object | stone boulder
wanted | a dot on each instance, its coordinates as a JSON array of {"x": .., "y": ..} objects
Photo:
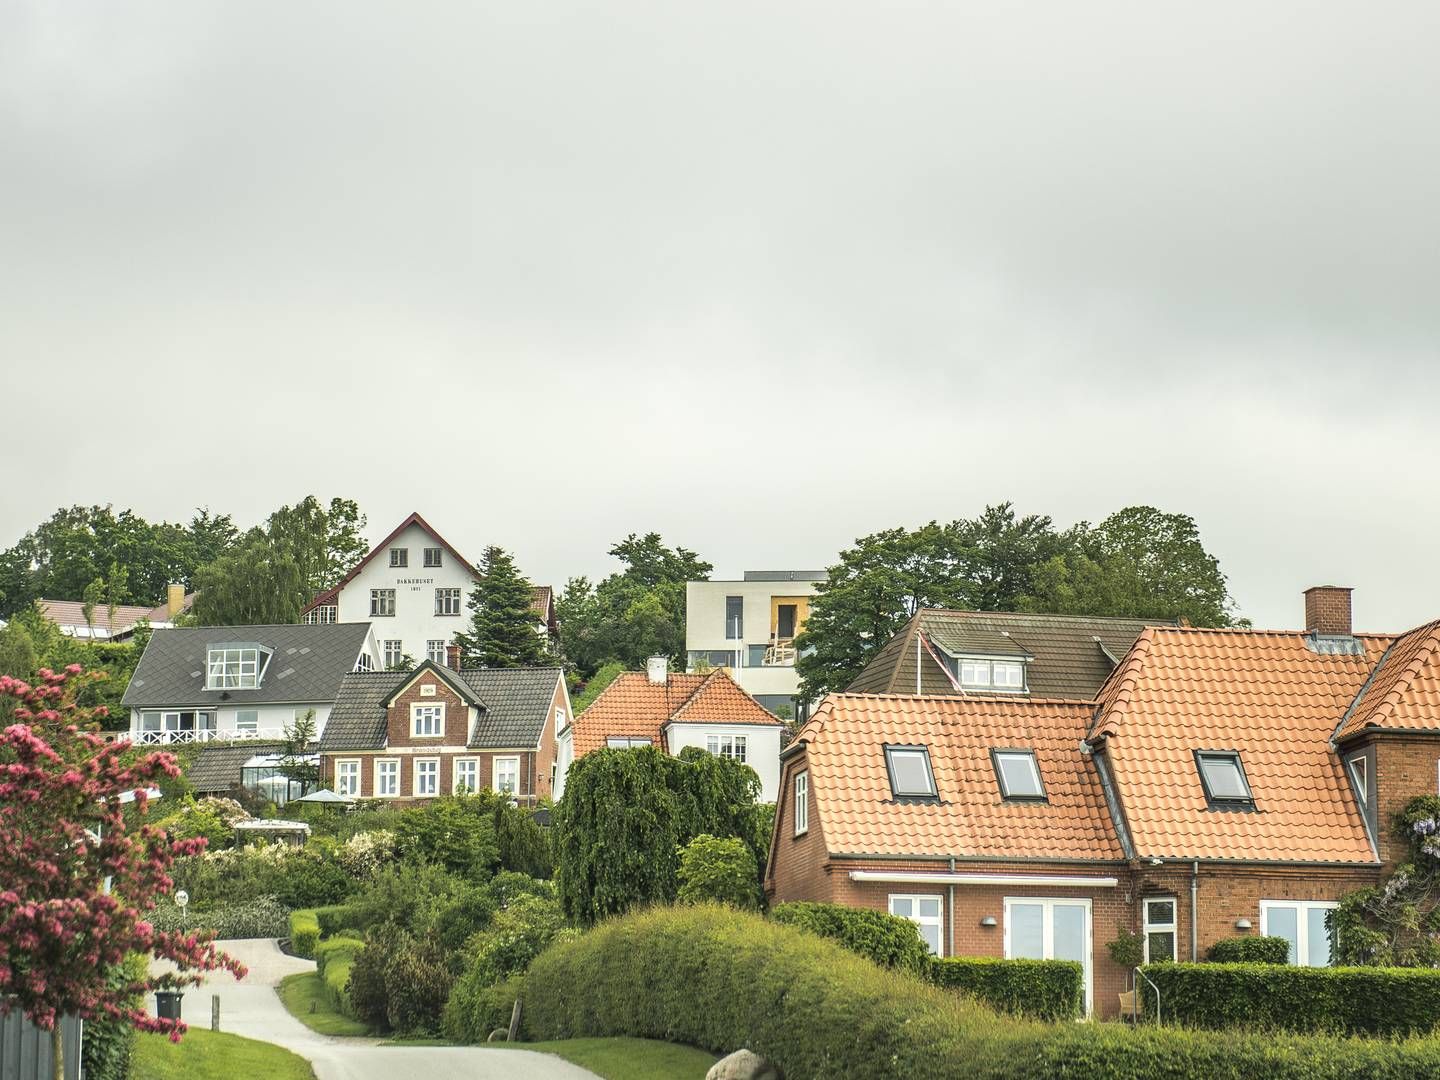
[{"x": 743, "y": 1065}]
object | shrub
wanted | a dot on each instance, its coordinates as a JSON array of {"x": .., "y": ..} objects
[
  {"x": 1044, "y": 989},
  {"x": 1357, "y": 1001},
  {"x": 333, "y": 961},
  {"x": 719, "y": 870},
  {"x": 335, "y": 919},
  {"x": 455, "y": 832},
  {"x": 304, "y": 932},
  {"x": 402, "y": 895},
  {"x": 311, "y": 880},
  {"x": 417, "y": 985},
  {"x": 720, "y": 979},
  {"x": 262, "y": 918},
  {"x": 453, "y": 920},
  {"x": 524, "y": 847},
  {"x": 335, "y": 950},
  {"x": 887, "y": 940},
  {"x": 366, "y": 987},
  {"x": 516, "y": 935},
  {"x": 212, "y": 818},
  {"x": 109, "y": 1041},
  {"x": 507, "y": 885},
  {"x": 1250, "y": 950},
  {"x": 475, "y": 1010},
  {"x": 363, "y": 855}
]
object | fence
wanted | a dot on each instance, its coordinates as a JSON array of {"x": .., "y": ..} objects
[{"x": 25, "y": 1049}]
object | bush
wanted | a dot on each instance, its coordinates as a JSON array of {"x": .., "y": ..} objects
[
  {"x": 475, "y": 1010},
  {"x": 262, "y": 918},
  {"x": 455, "y": 832},
  {"x": 402, "y": 895},
  {"x": 212, "y": 818},
  {"x": 366, "y": 988},
  {"x": 1044, "y": 989},
  {"x": 718, "y": 870},
  {"x": 1250, "y": 950},
  {"x": 333, "y": 962},
  {"x": 454, "y": 920},
  {"x": 304, "y": 933},
  {"x": 336, "y": 919},
  {"x": 313, "y": 881},
  {"x": 336, "y": 950},
  {"x": 417, "y": 985},
  {"x": 109, "y": 1041},
  {"x": 1354, "y": 1001},
  {"x": 720, "y": 979},
  {"x": 887, "y": 940},
  {"x": 516, "y": 935}
]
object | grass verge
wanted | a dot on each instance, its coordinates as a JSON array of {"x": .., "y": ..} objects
[
  {"x": 306, "y": 998},
  {"x": 626, "y": 1059},
  {"x": 214, "y": 1055}
]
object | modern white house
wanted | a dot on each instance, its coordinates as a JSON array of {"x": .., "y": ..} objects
[
  {"x": 749, "y": 628},
  {"x": 232, "y": 683},
  {"x": 413, "y": 588}
]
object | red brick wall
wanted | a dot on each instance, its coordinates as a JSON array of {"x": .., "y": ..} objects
[
  {"x": 457, "y": 715},
  {"x": 1327, "y": 609},
  {"x": 799, "y": 865},
  {"x": 447, "y": 770},
  {"x": 544, "y": 758},
  {"x": 1405, "y": 766}
]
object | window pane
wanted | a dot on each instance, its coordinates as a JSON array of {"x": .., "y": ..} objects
[
  {"x": 1162, "y": 947},
  {"x": 1069, "y": 932},
  {"x": 975, "y": 672},
  {"x": 1222, "y": 774},
  {"x": 931, "y": 933},
  {"x": 1284, "y": 922},
  {"x": 902, "y": 906},
  {"x": 1027, "y": 931},
  {"x": 1008, "y": 675},
  {"x": 929, "y": 907},
  {"x": 734, "y": 617},
  {"x": 1317, "y": 937},
  {"x": 1022, "y": 778},
  {"x": 911, "y": 772},
  {"x": 1160, "y": 912}
]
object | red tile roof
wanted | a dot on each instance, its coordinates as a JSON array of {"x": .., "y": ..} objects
[
  {"x": 1404, "y": 692},
  {"x": 71, "y": 613},
  {"x": 633, "y": 707},
  {"x": 849, "y": 782}
]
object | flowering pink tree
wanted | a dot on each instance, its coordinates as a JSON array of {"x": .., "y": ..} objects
[{"x": 76, "y": 877}]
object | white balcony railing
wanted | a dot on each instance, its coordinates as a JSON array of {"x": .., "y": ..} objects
[{"x": 207, "y": 735}]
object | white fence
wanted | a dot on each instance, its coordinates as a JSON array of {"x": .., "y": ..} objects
[{"x": 168, "y": 738}]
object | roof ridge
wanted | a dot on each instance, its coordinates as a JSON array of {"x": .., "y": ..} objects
[
  {"x": 912, "y": 625},
  {"x": 1375, "y": 718},
  {"x": 1115, "y": 692},
  {"x": 690, "y": 697},
  {"x": 1022, "y": 699},
  {"x": 1145, "y": 619}
]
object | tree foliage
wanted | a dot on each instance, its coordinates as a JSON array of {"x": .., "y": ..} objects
[
  {"x": 78, "y": 545},
  {"x": 1397, "y": 924},
  {"x": 718, "y": 870},
  {"x": 625, "y": 815},
  {"x": 77, "y": 877},
  {"x": 633, "y": 614},
  {"x": 1138, "y": 562},
  {"x": 503, "y": 629},
  {"x": 30, "y": 642}
]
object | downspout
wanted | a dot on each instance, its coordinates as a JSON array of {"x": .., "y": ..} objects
[
  {"x": 950, "y": 947},
  {"x": 917, "y": 659},
  {"x": 1194, "y": 912}
]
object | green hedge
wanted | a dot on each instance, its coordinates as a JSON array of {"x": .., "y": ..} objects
[
  {"x": 718, "y": 979},
  {"x": 332, "y": 950},
  {"x": 1250, "y": 950},
  {"x": 888, "y": 940},
  {"x": 1359, "y": 1001},
  {"x": 1044, "y": 989},
  {"x": 304, "y": 932},
  {"x": 336, "y": 919}
]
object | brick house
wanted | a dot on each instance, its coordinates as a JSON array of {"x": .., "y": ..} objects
[
  {"x": 1222, "y": 782},
  {"x": 417, "y": 734},
  {"x": 670, "y": 710}
]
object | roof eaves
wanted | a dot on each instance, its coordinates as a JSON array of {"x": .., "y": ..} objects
[{"x": 350, "y": 575}]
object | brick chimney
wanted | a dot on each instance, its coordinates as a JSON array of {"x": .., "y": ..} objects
[
  {"x": 1327, "y": 610},
  {"x": 452, "y": 657},
  {"x": 174, "y": 600}
]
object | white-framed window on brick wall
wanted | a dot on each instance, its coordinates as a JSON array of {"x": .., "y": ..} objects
[
  {"x": 347, "y": 777},
  {"x": 427, "y": 721},
  {"x": 427, "y": 777},
  {"x": 1160, "y": 929},
  {"x": 467, "y": 775},
  {"x": 802, "y": 803},
  {"x": 927, "y": 912},
  {"x": 387, "y": 778},
  {"x": 507, "y": 775}
]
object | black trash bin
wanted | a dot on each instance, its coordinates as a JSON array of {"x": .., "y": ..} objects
[{"x": 167, "y": 1004}]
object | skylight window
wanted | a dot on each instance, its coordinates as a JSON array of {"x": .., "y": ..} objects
[
  {"x": 1019, "y": 774},
  {"x": 1224, "y": 778},
  {"x": 910, "y": 774}
]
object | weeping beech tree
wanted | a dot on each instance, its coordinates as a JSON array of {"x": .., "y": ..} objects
[{"x": 77, "y": 877}]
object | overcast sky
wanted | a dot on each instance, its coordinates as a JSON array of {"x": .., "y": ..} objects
[{"x": 761, "y": 276}]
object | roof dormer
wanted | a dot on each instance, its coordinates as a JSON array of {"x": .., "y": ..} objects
[{"x": 235, "y": 665}]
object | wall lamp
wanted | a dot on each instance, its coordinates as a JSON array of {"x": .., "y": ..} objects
[
  {"x": 1242, "y": 924},
  {"x": 989, "y": 920}
]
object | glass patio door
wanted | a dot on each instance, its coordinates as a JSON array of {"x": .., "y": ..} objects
[{"x": 1049, "y": 930}]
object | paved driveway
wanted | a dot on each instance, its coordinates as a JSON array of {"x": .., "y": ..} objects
[{"x": 251, "y": 1008}]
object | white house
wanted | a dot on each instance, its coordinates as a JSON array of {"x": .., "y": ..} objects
[
  {"x": 221, "y": 683},
  {"x": 749, "y": 627},
  {"x": 414, "y": 588}
]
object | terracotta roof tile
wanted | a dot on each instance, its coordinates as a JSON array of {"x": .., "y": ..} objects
[
  {"x": 1404, "y": 692},
  {"x": 633, "y": 707},
  {"x": 851, "y": 787}
]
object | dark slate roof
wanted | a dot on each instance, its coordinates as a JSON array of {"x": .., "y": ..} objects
[
  {"x": 307, "y": 665},
  {"x": 1070, "y": 655},
  {"x": 217, "y": 766},
  {"x": 515, "y": 703}
]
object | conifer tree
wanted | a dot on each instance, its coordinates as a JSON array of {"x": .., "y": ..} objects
[{"x": 503, "y": 628}]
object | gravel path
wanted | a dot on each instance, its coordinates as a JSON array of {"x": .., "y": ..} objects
[{"x": 251, "y": 1008}]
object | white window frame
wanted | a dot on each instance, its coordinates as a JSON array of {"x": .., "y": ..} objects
[
  {"x": 559, "y": 717},
  {"x": 891, "y": 751},
  {"x": 321, "y": 615},
  {"x": 380, "y": 599},
  {"x": 1172, "y": 927},
  {"x": 399, "y": 557},
  {"x": 1302, "y": 910},
  {"x": 387, "y": 768},
  {"x": 1034, "y": 762},
  {"x": 448, "y": 601},
  {"x": 434, "y": 714},
  {"x": 347, "y": 777},
  {"x": 802, "y": 802},
  {"x": 1007, "y": 685},
  {"x": 433, "y": 557},
  {"x": 426, "y": 768},
  {"x": 232, "y": 668},
  {"x": 727, "y": 746},
  {"x": 1357, "y": 769},
  {"x": 1047, "y": 932},
  {"x": 924, "y": 920},
  {"x": 626, "y": 742},
  {"x": 253, "y": 724},
  {"x": 435, "y": 651},
  {"x": 495, "y": 774},
  {"x": 465, "y": 764},
  {"x": 391, "y": 652}
]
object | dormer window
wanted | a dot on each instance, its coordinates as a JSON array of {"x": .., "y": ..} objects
[
  {"x": 975, "y": 673},
  {"x": 235, "y": 667},
  {"x": 910, "y": 774},
  {"x": 1018, "y": 774},
  {"x": 1223, "y": 777}
]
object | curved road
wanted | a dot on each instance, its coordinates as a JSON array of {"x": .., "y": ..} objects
[{"x": 251, "y": 1007}]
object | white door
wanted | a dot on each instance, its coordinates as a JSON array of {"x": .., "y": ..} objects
[{"x": 1038, "y": 929}]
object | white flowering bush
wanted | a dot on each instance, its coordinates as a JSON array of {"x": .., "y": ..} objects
[{"x": 365, "y": 853}]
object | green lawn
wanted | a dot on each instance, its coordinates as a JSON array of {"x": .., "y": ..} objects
[
  {"x": 214, "y": 1055},
  {"x": 304, "y": 995},
  {"x": 627, "y": 1059}
]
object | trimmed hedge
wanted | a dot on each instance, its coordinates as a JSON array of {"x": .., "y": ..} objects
[
  {"x": 304, "y": 932},
  {"x": 336, "y": 919},
  {"x": 1354, "y": 1001},
  {"x": 887, "y": 940},
  {"x": 718, "y": 979},
  {"x": 1044, "y": 989},
  {"x": 1250, "y": 950}
]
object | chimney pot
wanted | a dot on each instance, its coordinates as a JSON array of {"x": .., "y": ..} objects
[
  {"x": 452, "y": 657},
  {"x": 1327, "y": 610},
  {"x": 658, "y": 669}
]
